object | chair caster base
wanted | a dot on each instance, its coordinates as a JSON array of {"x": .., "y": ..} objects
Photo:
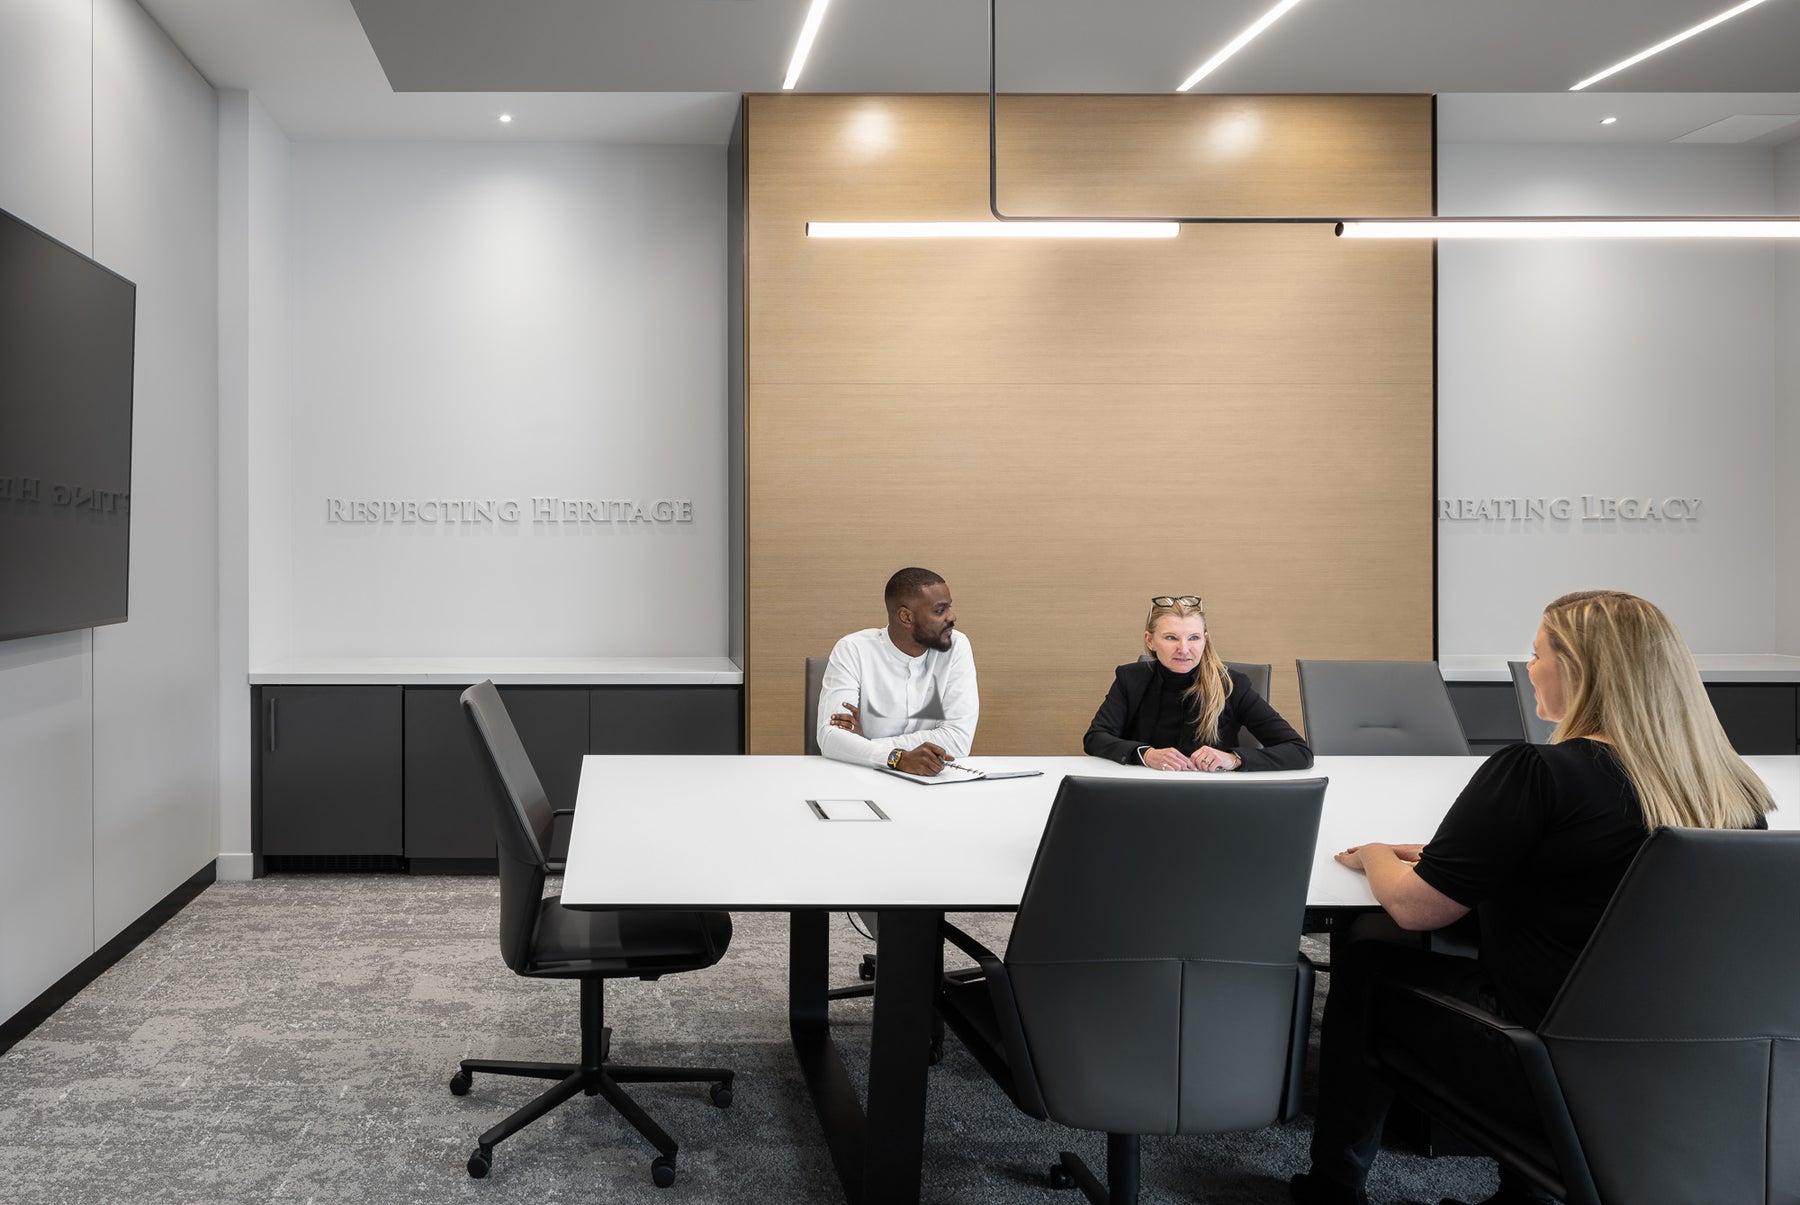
[
  {"x": 459, "y": 1083},
  {"x": 662, "y": 1171},
  {"x": 481, "y": 1162}
]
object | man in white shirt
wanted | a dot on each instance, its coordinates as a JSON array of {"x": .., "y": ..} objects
[{"x": 902, "y": 696}]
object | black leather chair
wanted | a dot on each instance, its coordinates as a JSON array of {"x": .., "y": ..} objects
[
  {"x": 1668, "y": 1068},
  {"x": 1378, "y": 708},
  {"x": 815, "y": 682},
  {"x": 1537, "y": 729},
  {"x": 1150, "y": 984},
  {"x": 542, "y": 939}
]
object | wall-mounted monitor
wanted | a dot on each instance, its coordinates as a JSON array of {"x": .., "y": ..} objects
[{"x": 67, "y": 329}]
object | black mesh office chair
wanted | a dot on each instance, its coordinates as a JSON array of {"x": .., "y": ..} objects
[
  {"x": 1150, "y": 984},
  {"x": 1668, "y": 1068},
  {"x": 1378, "y": 708},
  {"x": 1537, "y": 729},
  {"x": 542, "y": 939}
]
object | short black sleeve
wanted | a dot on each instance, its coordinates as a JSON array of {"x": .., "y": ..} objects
[{"x": 1493, "y": 827}]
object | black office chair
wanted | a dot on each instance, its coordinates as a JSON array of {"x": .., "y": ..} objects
[
  {"x": 1150, "y": 984},
  {"x": 1378, "y": 708},
  {"x": 542, "y": 939},
  {"x": 1537, "y": 730},
  {"x": 1668, "y": 1068}
]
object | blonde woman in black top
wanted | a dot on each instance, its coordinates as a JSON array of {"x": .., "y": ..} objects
[
  {"x": 1184, "y": 709},
  {"x": 1534, "y": 848}
]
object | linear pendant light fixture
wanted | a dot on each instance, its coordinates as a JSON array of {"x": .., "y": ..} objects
[
  {"x": 1012, "y": 225},
  {"x": 1069, "y": 229},
  {"x": 1568, "y": 228}
]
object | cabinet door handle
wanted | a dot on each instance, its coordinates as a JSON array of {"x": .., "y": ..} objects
[{"x": 272, "y": 703}]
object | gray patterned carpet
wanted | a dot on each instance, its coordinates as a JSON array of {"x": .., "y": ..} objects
[{"x": 290, "y": 1040}]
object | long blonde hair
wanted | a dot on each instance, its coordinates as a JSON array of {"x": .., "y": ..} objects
[
  {"x": 1212, "y": 685},
  {"x": 1627, "y": 675}
]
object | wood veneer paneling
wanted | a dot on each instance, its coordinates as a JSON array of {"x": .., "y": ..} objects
[{"x": 1064, "y": 429}]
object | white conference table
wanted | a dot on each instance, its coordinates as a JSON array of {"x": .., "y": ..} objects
[{"x": 737, "y": 834}]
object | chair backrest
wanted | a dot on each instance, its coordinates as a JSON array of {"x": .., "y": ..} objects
[
  {"x": 1378, "y": 708},
  {"x": 815, "y": 682},
  {"x": 1153, "y": 961},
  {"x": 1257, "y": 673},
  {"x": 1537, "y": 730},
  {"x": 521, "y": 822},
  {"x": 1676, "y": 1037}
]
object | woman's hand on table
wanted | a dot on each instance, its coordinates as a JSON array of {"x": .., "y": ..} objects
[
  {"x": 1166, "y": 759},
  {"x": 1208, "y": 758}
]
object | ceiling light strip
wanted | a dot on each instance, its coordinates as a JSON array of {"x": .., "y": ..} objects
[
  {"x": 1070, "y": 229},
  {"x": 1683, "y": 36},
  {"x": 1238, "y": 43},
  {"x": 815, "y": 17},
  {"x": 1571, "y": 228}
]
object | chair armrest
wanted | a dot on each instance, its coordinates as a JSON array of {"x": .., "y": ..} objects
[
  {"x": 968, "y": 945},
  {"x": 1474, "y": 1014},
  {"x": 1013, "y": 1054},
  {"x": 556, "y": 865},
  {"x": 1494, "y": 1075}
]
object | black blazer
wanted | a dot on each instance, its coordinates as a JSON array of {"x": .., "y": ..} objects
[{"x": 1119, "y": 730}]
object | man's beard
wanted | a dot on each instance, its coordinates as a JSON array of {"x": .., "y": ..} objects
[{"x": 941, "y": 644}]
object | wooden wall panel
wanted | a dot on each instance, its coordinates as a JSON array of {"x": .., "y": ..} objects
[{"x": 1064, "y": 429}]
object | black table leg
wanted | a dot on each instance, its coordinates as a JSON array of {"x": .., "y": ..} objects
[
  {"x": 907, "y": 950},
  {"x": 878, "y": 1157}
]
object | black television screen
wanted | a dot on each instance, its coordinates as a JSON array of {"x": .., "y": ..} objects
[{"x": 66, "y": 342}]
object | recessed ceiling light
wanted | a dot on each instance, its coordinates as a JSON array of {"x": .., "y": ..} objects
[
  {"x": 1683, "y": 36},
  {"x": 505, "y": 118},
  {"x": 1238, "y": 43},
  {"x": 815, "y": 16},
  {"x": 1606, "y": 121}
]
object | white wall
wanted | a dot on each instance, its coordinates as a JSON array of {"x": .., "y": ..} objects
[
  {"x": 1621, "y": 369},
  {"x": 1787, "y": 410},
  {"x": 109, "y": 739},
  {"x": 481, "y": 321},
  {"x": 253, "y": 414}
]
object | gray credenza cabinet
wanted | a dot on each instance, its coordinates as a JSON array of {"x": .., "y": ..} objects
[{"x": 368, "y": 777}]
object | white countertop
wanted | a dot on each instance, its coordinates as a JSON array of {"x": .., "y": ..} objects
[
  {"x": 504, "y": 671},
  {"x": 1714, "y": 667}
]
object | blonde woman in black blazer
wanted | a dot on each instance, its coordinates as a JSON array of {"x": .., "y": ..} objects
[{"x": 1184, "y": 710}]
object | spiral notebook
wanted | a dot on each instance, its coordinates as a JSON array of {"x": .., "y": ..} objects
[{"x": 957, "y": 772}]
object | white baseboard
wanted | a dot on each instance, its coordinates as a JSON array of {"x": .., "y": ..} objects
[{"x": 235, "y": 868}]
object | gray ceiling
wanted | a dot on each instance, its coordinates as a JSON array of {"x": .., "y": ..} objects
[
  {"x": 670, "y": 70},
  {"x": 1075, "y": 45}
]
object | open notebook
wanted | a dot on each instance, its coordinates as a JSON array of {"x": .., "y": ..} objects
[{"x": 959, "y": 772}]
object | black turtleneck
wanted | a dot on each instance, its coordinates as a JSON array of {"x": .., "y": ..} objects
[{"x": 1171, "y": 718}]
